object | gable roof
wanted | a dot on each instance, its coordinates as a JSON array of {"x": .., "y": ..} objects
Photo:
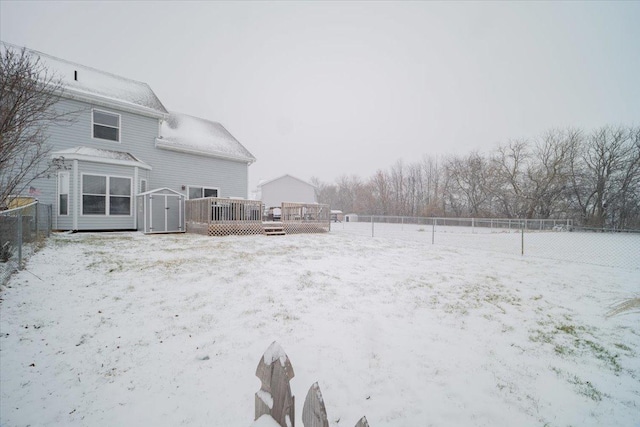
[
  {"x": 260, "y": 184},
  {"x": 188, "y": 134},
  {"x": 99, "y": 87}
]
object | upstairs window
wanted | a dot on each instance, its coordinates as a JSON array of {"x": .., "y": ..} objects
[{"x": 106, "y": 125}]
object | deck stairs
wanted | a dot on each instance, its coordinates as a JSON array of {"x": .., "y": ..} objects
[{"x": 273, "y": 229}]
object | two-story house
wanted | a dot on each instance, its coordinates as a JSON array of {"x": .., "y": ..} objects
[{"x": 123, "y": 142}]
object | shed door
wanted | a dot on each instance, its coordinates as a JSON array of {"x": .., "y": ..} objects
[
  {"x": 157, "y": 223},
  {"x": 165, "y": 213},
  {"x": 173, "y": 209}
]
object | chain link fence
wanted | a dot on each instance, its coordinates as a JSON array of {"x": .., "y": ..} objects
[
  {"x": 557, "y": 239},
  {"x": 21, "y": 230}
]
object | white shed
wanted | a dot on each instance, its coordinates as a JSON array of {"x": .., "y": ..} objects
[
  {"x": 351, "y": 218},
  {"x": 161, "y": 211},
  {"x": 286, "y": 188}
]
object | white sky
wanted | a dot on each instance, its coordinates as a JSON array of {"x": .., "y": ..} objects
[{"x": 331, "y": 88}]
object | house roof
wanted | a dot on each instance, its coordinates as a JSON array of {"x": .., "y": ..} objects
[
  {"x": 99, "y": 155},
  {"x": 261, "y": 183},
  {"x": 89, "y": 84},
  {"x": 181, "y": 132}
]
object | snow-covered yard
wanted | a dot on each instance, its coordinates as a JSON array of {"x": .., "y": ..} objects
[{"x": 167, "y": 330}]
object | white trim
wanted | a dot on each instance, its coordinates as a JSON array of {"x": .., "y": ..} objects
[
  {"x": 134, "y": 199},
  {"x": 108, "y": 102},
  {"x": 144, "y": 214},
  {"x": 187, "y": 150},
  {"x": 58, "y": 193},
  {"x": 157, "y": 190},
  {"x": 119, "y": 128},
  {"x": 149, "y": 228},
  {"x": 76, "y": 187},
  {"x": 102, "y": 160},
  {"x": 107, "y": 195}
]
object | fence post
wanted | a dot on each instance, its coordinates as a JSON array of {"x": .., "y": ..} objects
[
  {"x": 372, "y": 226},
  {"x": 49, "y": 220},
  {"x": 522, "y": 238},
  {"x": 19, "y": 239},
  {"x": 473, "y": 225},
  {"x": 37, "y": 222},
  {"x": 433, "y": 230}
]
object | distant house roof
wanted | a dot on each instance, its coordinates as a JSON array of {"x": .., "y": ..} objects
[
  {"x": 261, "y": 183},
  {"x": 100, "y": 155},
  {"x": 181, "y": 132},
  {"x": 89, "y": 84}
]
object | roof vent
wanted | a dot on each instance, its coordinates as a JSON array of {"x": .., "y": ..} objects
[{"x": 75, "y": 75}]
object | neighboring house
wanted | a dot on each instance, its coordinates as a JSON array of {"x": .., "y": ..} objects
[
  {"x": 124, "y": 142},
  {"x": 285, "y": 188}
]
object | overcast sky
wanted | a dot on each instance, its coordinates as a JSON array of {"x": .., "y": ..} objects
[{"x": 331, "y": 88}]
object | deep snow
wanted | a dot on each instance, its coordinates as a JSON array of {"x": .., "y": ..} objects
[{"x": 127, "y": 329}]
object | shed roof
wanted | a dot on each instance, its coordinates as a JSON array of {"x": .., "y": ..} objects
[
  {"x": 86, "y": 83},
  {"x": 181, "y": 132}
]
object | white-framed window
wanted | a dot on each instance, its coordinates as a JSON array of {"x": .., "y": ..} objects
[
  {"x": 63, "y": 193},
  {"x": 105, "y": 125},
  {"x": 106, "y": 195},
  {"x": 198, "y": 192}
]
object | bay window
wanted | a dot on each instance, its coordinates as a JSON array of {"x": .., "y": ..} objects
[{"x": 106, "y": 195}]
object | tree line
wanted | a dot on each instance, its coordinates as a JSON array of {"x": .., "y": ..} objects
[{"x": 590, "y": 177}]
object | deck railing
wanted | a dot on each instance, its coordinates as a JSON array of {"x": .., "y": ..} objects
[
  {"x": 305, "y": 218},
  {"x": 218, "y": 216}
]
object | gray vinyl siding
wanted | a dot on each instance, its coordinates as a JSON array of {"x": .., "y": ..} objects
[
  {"x": 137, "y": 136},
  {"x": 173, "y": 170}
]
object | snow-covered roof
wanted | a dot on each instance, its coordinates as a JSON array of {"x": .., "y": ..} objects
[
  {"x": 100, "y": 155},
  {"x": 181, "y": 132},
  {"x": 261, "y": 183},
  {"x": 90, "y": 84}
]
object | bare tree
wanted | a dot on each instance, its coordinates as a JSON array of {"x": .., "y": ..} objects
[
  {"x": 548, "y": 173},
  {"x": 380, "y": 187},
  {"x": 28, "y": 94},
  {"x": 510, "y": 163},
  {"x": 472, "y": 178},
  {"x": 604, "y": 171}
]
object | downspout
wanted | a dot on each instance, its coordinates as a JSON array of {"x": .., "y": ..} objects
[
  {"x": 76, "y": 202},
  {"x": 135, "y": 198}
]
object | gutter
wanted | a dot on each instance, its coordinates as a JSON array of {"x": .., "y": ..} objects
[{"x": 182, "y": 149}]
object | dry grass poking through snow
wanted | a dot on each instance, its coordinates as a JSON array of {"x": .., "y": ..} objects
[{"x": 126, "y": 329}]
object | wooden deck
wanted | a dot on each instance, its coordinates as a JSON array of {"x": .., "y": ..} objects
[
  {"x": 214, "y": 216},
  {"x": 273, "y": 228}
]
